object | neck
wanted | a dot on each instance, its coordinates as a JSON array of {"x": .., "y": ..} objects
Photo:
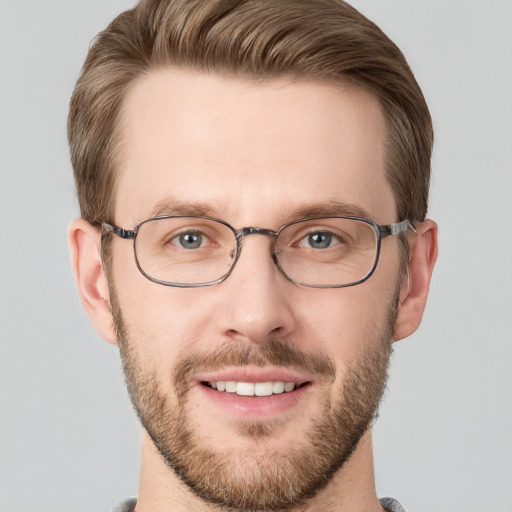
[{"x": 352, "y": 488}]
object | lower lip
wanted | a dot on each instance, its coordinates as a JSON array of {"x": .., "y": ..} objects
[{"x": 254, "y": 406}]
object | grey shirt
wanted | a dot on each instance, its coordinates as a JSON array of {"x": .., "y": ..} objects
[{"x": 128, "y": 505}]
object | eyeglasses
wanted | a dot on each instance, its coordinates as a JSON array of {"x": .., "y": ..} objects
[{"x": 193, "y": 251}]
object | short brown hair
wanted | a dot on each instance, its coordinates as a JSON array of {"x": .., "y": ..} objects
[{"x": 324, "y": 40}]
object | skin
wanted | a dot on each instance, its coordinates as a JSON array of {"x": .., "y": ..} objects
[{"x": 254, "y": 154}]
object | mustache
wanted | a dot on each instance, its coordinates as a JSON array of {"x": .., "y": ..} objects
[{"x": 274, "y": 352}]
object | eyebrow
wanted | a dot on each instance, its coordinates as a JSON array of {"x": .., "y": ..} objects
[
  {"x": 172, "y": 206},
  {"x": 331, "y": 208}
]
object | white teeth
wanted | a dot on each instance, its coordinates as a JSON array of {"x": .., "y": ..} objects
[
  {"x": 253, "y": 388},
  {"x": 278, "y": 388},
  {"x": 289, "y": 386},
  {"x": 231, "y": 386},
  {"x": 263, "y": 388},
  {"x": 245, "y": 389}
]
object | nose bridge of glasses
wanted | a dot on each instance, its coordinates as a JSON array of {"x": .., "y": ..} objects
[{"x": 242, "y": 233}]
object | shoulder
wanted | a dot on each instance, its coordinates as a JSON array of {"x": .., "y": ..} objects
[
  {"x": 392, "y": 505},
  {"x": 127, "y": 505}
]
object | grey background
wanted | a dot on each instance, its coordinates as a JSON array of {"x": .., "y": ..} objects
[{"x": 68, "y": 438}]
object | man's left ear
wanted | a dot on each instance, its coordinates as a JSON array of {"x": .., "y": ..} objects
[{"x": 413, "y": 296}]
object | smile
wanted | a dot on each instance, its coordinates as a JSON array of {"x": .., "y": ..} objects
[{"x": 252, "y": 388}]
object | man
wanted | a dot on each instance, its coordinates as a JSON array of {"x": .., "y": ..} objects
[{"x": 253, "y": 182}]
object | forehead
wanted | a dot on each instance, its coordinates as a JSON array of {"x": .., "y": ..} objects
[{"x": 251, "y": 152}]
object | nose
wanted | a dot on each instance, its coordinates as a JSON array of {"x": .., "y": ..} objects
[{"x": 257, "y": 302}]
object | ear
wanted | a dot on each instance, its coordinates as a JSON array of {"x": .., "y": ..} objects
[
  {"x": 85, "y": 248},
  {"x": 413, "y": 296}
]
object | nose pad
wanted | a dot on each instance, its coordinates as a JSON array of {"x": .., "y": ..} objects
[{"x": 256, "y": 306}]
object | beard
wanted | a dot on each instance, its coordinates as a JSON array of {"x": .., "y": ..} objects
[{"x": 257, "y": 477}]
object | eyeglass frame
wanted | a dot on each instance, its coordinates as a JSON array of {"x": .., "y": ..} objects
[{"x": 381, "y": 231}]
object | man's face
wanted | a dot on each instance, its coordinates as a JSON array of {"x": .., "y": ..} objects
[{"x": 253, "y": 155}]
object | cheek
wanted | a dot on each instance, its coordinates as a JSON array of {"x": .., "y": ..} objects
[
  {"x": 345, "y": 323},
  {"x": 160, "y": 321}
]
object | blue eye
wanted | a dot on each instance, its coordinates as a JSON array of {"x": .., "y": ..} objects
[
  {"x": 318, "y": 240},
  {"x": 189, "y": 240}
]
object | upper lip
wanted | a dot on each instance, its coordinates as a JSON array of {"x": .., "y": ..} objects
[{"x": 256, "y": 375}]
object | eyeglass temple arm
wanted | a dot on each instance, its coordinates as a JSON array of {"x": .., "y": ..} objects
[
  {"x": 395, "y": 229},
  {"x": 120, "y": 232}
]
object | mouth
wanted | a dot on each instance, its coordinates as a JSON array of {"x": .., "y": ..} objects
[
  {"x": 255, "y": 393},
  {"x": 254, "y": 389}
]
